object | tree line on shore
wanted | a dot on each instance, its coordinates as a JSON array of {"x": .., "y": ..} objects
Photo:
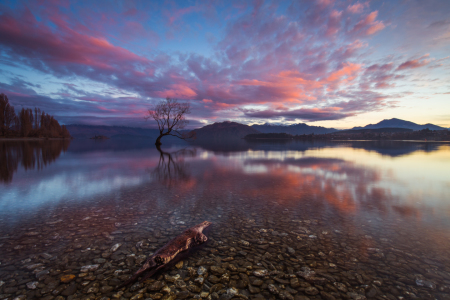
[{"x": 28, "y": 122}]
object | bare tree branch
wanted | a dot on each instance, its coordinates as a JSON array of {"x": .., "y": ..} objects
[{"x": 170, "y": 115}]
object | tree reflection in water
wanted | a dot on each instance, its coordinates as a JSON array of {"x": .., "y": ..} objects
[
  {"x": 172, "y": 168},
  {"x": 28, "y": 154}
]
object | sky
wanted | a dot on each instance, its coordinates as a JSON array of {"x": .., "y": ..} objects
[{"x": 332, "y": 63}]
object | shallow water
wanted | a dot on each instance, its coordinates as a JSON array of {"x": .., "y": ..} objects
[{"x": 342, "y": 220}]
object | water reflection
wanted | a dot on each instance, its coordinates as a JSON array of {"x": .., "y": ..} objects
[
  {"x": 172, "y": 168},
  {"x": 344, "y": 210},
  {"x": 28, "y": 155},
  {"x": 387, "y": 148}
]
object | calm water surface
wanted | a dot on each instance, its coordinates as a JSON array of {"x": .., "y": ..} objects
[{"x": 341, "y": 220}]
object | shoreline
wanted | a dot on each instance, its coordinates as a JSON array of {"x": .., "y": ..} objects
[
  {"x": 34, "y": 139},
  {"x": 351, "y": 140}
]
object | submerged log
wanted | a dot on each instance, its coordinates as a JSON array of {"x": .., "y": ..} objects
[{"x": 187, "y": 240}]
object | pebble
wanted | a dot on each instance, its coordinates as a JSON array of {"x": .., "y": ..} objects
[
  {"x": 273, "y": 289},
  {"x": 32, "y": 285},
  {"x": 240, "y": 260},
  {"x": 115, "y": 247},
  {"x": 67, "y": 278},
  {"x": 89, "y": 268},
  {"x": 260, "y": 273},
  {"x": 311, "y": 291}
]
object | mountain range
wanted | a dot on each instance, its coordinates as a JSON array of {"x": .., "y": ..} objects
[
  {"x": 223, "y": 131},
  {"x": 295, "y": 129},
  {"x": 398, "y": 123},
  {"x": 229, "y": 130}
]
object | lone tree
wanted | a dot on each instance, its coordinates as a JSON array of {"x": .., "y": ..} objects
[{"x": 171, "y": 117}]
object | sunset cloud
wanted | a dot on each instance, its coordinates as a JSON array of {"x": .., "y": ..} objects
[
  {"x": 302, "y": 60},
  {"x": 310, "y": 115},
  {"x": 415, "y": 63}
]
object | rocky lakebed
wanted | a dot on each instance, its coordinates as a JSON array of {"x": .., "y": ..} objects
[{"x": 255, "y": 251}]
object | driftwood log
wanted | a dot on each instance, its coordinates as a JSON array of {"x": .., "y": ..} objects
[{"x": 189, "y": 238}]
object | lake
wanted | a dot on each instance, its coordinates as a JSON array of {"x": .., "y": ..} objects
[{"x": 291, "y": 220}]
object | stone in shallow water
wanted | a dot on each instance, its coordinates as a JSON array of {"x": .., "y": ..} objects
[
  {"x": 67, "y": 278},
  {"x": 421, "y": 281},
  {"x": 42, "y": 274},
  {"x": 137, "y": 297},
  {"x": 231, "y": 292},
  {"x": 70, "y": 290},
  {"x": 294, "y": 283},
  {"x": 340, "y": 286},
  {"x": 327, "y": 296},
  {"x": 46, "y": 255},
  {"x": 290, "y": 250},
  {"x": 356, "y": 296},
  {"x": 311, "y": 291},
  {"x": 182, "y": 295},
  {"x": 32, "y": 285},
  {"x": 244, "y": 243},
  {"x": 371, "y": 292},
  {"x": 273, "y": 289},
  {"x": 260, "y": 273},
  {"x": 194, "y": 289},
  {"x": 33, "y": 266},
  {"x": 201, "y": 270},
  {"x": 253, "y": 290},
  {"x": 89, "y": 268},
  {"x": 156, "y": 286},
  {"x": 115, "y": 247},
  {"x": 106, "y": 289},
  {"x": 286, "y": 295},
  {"x": 316, "y": 280},
  {"x": 179, "y": 265},
  {"x": 217, "y": 270}
]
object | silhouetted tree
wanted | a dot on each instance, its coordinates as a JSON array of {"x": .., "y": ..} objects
[
  {"x": 26, "y": 121},
  {"x": 10, "y": 116},
  {"x": 37, "y": 113},
  {"x": 3, "y": 102},
  {"x": 7, "y": 115},
  {"x": 171, "y": 117}
]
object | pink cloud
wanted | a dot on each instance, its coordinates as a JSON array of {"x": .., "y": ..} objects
[
  {"x": 414, "y": 63},
  {"x": 334, "y": 23},
  {"x": 264, "y": 58},
  {"x": 177, "y": 91},
  {"x": 308, "y": 114},
  {"x": 356, "y": 8},
  {"x": 368, "y": 26}
]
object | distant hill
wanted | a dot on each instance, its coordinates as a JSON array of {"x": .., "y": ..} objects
[
  {"x": 377, "y": 130},
  {"x": 398, "y": 123},
  {"x": 88, "y": 131},
  {"x": 300, "y": 128},
  {"x": 269, "y": 136},
  {"x": 224, "y": 131}
]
